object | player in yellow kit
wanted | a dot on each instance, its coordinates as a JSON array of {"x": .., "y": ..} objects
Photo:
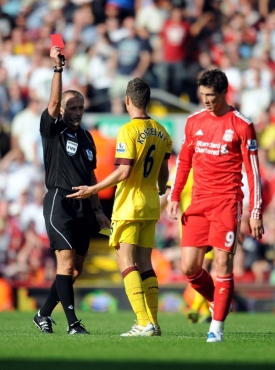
[{"x": 142, "y": 151}]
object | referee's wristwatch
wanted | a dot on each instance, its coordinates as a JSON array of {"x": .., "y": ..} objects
[{"x": 97, "y": 208}]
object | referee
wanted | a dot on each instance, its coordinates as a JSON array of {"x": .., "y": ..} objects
[{"x": 70, "y": 159}]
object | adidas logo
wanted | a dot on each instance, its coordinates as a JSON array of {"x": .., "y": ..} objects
[{"x": 199, "y": 133}]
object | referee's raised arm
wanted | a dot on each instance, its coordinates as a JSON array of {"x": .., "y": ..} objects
[{"x": 56, "y": 88}]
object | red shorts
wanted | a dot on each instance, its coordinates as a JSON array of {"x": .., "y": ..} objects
[{"x": 212, "y": 222}]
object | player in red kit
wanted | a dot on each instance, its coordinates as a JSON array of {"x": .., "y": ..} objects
[{"x": 218, "y": 141}]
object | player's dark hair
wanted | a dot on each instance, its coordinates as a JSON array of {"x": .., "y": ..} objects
[
  {"x": 139, "y": 92},
  {"x": 214, "y": 78},
  {"x": 74, "y": 93}
]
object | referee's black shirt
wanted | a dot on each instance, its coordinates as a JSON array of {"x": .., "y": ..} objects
[{"x": 69, "y": 156}]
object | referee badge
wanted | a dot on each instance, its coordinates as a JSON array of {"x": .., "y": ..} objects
[
  {"x": 71, "y": 147},
  {"x": 89, "y": 154}
]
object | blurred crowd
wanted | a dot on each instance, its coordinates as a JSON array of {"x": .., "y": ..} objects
[{"x": 107, "y": 43}]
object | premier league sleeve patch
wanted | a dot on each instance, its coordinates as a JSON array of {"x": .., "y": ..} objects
[
  {"x": 89, "y": 154},
  {"x": 121, "y": 148},
  {"x": 252, "y": 145}
]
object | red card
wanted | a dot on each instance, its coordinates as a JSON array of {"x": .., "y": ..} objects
[{"x": 57, "y": 40}]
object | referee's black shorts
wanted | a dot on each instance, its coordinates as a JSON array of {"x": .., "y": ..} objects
[{"x": 67, "y": 221}]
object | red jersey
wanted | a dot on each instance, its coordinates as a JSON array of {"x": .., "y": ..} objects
[{"x": 216, "y": 148}]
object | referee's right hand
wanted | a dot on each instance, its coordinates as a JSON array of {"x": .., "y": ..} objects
[{"x": 54, "y": 54}]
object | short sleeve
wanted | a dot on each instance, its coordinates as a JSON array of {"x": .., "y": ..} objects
[
  {"x": 48, "y": 125},
  {"x": 125, "y": 147}
]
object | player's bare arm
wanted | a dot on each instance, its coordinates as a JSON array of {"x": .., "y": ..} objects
[
  {"x": 56, "y": 89},
  {"x": 172, "y": 210},
  {"x": 84, "y": 191},
  {"x": 103, "y": 221},
  {"x": 256, "y": 228},
  {"x": 164, "y": 199},
  {"x": 94, "y": 199}
]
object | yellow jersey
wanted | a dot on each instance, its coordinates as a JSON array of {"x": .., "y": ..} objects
[{"x": 143, "y": 144}]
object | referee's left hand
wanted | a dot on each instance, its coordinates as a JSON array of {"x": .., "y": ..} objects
[{"x": 82, "y": 192}]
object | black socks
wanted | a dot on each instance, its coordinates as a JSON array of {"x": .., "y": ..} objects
[
  {"x": 64, "y": 286},
  {"x": 51, "y": 301}
]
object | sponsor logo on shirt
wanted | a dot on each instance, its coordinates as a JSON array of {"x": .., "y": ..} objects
[
  {"x": 121, "y": 148},
  {"x": 208, "y": 145},
  {"x": 208, "y": 148},
  {"x": 71, "y": 135},
  {"x": 252, "y": 145},
  {"x": 199, "y": 133},
  {"x": 211, "y": 148},
  {"x": 89, "y": 154},
  {"x": 228, "y": 135},
  {"x": 71, "y": 147}
]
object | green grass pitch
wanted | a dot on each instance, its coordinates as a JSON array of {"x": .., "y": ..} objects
[{"x": 249, "y": 344}]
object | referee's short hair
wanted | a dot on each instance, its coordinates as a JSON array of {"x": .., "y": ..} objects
[{"x": 74, "y": 93}]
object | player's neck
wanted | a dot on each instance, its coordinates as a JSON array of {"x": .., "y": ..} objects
[
  {"x": 138, "y": 113},
  {"x": 223, "y": 109}
]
